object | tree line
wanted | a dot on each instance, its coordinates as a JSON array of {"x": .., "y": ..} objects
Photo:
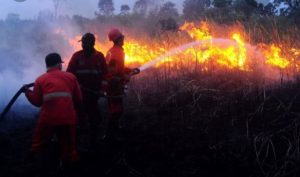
[
  {"x": 195, "y": 9},
  {"x": 156, "y": 15}
]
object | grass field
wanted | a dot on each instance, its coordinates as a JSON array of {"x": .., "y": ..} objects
[{"x": 201, "y": 124}]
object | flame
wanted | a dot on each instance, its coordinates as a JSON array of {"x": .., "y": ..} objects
[
  {"x": 199, "y": 33},
  {"x": 138, "y": 54},
  {"x": 295, "y": 51},
  {"x": 275, "y": 58},
  {"x": 231, "y": 55},
  {"x": 74, "y": 42},
  {"x": 241, "y": 57}
]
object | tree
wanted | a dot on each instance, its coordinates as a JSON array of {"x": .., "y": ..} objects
[
  {"x": 168, "y": 14},
  {"x": 106, "y": 7},
  {"x": 266, "y": 9},
  {"x": 245, "y": 8},
  {"x": 286, "y": 7},
  {"x": 168, "y": 24},
  {"x": 252, "y": 3},
  {"x": 222, "y": 3},
  {"x": 168, "y": 10},
  {"x": 146, "y": 7},
  {"x": 291, "y": 3},
  {"x": 193, "y": 9},
  {"x": 293, "y": 12},
  {"x": 245, "y": 4},
  {"x": 125, "y": 9},
  {"x": 56, "y": 6},
  {"x": 140, "y": 7}
]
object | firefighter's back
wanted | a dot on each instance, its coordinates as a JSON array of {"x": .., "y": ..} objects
[
  {"x": 88, "y": 70},
  {"x": 59, "y": 91}
]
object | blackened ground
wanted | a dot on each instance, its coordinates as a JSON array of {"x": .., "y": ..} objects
[{"x": 205, "y": 133}]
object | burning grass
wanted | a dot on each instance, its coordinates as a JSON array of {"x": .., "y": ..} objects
[
  {"x": 207, "y": 46},
  {"x": 228, "y": 107}
]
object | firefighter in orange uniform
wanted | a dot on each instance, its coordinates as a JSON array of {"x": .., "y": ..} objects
[
  {"x": 118, "y": 75},
  {"x": 57, "y": 93},
  {"x": 89, "y": 66}
]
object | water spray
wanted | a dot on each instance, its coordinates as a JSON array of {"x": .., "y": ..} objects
[{"x": 185, "y": 47}]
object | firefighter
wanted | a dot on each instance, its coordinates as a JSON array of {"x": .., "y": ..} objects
[
  {"x": 117, "y": 77},
  {"x": 57, "y": 93},
  {"x": 89, "y": 66}
]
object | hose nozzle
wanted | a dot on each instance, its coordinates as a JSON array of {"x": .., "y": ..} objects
[{"x": 136, "y": 71}]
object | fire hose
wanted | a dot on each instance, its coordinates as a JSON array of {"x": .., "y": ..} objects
[
  {"x": 21, "y": 90},
  {"x": 133, "y": 72},
  {"x": 13, "y": 100}
]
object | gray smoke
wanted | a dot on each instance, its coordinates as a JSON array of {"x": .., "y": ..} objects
[{"x": 23, "y": 47}]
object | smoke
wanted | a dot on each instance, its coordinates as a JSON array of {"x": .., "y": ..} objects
[
  {"x": 23, "y": 47},
  {"x": 25, "y": 43}
]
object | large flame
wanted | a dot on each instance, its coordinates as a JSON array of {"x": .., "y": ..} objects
[
  {"x": 229, "y": 55},
  {"x": 275, "y": 58}
]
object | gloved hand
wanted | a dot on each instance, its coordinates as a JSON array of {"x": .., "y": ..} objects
[
  {"x": 136, "y": 71},
  {"x": 25, "y": 87},
  {"x": 129, "y": 73}
]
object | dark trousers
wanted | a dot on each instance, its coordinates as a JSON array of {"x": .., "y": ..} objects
[
  {"x": 90, "y": 119},
  {"x": 66, "y": 136},
  {"x": 115, "y": 112}
]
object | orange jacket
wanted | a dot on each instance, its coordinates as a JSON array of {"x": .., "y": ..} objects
[
  {"x": 89, "y": 71},
  {"x": 118, "y": 74},
  {"x": 116, "y": 60},
  {"x": 56, "y": 92}
]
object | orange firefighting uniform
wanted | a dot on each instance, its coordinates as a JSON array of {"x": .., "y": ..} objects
[
  {"x": 115, "y": 58},
  {"x": 90, "y": 73},
  {"x": 57, "y": 93}
]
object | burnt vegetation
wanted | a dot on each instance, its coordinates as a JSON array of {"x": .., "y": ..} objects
[{"x": 183, "y": 122}]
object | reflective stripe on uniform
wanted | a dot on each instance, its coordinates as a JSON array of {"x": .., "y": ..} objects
[
  {"x": 88, "y": 71},
  {"x": 50, "y": 96}
]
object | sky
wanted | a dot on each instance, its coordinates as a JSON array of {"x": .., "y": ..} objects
[{"x": 31, "y": 8}]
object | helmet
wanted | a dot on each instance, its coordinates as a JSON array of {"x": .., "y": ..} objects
[{"x": 114, "y": 34}]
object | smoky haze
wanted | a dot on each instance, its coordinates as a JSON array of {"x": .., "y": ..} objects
[
  {"x": 23, "y": 47},
  {"x": 25, "y": 43}
]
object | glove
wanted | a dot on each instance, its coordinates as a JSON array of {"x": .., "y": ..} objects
[
  {"x": 136, "y": 71},
  {"x": 25, "y": 88}
]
